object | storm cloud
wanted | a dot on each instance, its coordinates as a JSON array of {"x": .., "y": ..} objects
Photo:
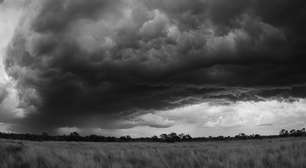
[{"x": 93, "y": 63}]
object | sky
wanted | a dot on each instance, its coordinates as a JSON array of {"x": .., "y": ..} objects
[{"x": 147, "y": 67}]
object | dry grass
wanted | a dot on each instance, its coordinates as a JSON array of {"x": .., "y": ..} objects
[{"x": 277, "y": 153}]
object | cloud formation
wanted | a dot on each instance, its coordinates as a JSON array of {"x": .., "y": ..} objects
[
  {"x": 10, "y": 11},
  {"x": 212, "y": 119},
  {"x": 92, "y": 63}
]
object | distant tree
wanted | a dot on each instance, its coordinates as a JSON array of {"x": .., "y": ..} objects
[
  {"x": 163, "y": 137},
  {"x": 187, "y": 137},
  {"x": 74, "y": 134},
  {"x": 284, "y": 133},
  {"x": 254, "y": 136},
  {"x": 220, "y": 138},
  {"x": 257, "y": 136},
  {"x": 303, "y": 130},
  {"x": 241, "y": 136},
  {"x": 94, "y": 138},
  {"x": 298, "y": 133},
  {"x": 181, "y": 136},
  {"x": 292, "y": 132},
  {"x": 122, "y": 138},
  {"x": 154, "y": 138},
  {"x": 125, "y": 138},
  {"x": 173, "y": 137},
  {"x": 129, "y": 138}
]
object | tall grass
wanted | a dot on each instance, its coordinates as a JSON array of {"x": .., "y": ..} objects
[{"x": 277, "y": 153}]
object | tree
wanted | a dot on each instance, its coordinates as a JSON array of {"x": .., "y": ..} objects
[
  {"x": 292, "y": 132},
  {"x": 163, "y": 137},
  {"x": 181, "y": 136},
  {"x": 74, "y": 134},
  {"x": 241, "y": 136},
  {"x": 257, "y": 136},
  {"x": 129, "y": 138},
  {"x": 154, "y": 138},
  {"x": 187, "y": 137},
  {"x": 126, "y": 138},
  {"x": 284, "y": 133},
  {"x": 173, "y": 136}
]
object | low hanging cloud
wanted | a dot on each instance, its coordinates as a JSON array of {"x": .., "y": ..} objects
[
  {"x": 211, "y": 119},
  {"x": 92, "y": 63},
  {"x": 241, "y": 113}
]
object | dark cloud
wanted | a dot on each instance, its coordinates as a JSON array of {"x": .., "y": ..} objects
[
  {"x": 91, "y": 63},
  {"x": 56, "y": 16}
]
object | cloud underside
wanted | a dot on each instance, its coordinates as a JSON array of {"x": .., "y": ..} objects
[{"x": 94, "y": 63}]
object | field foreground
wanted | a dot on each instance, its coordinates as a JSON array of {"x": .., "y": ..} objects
[{"x": 276, "y": 153}]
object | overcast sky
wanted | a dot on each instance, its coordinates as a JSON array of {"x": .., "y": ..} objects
[{"x": 146, "y": 67}]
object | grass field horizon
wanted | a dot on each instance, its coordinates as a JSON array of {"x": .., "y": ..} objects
[{"x": 270, "y": 153}]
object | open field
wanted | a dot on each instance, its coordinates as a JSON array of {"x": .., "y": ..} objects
[{"x": 274, "y": 153}]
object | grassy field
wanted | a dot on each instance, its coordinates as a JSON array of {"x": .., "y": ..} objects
[{"x": 276, "y": 153}]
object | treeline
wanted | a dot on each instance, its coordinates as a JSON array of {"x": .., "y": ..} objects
[
  {"x": 172, "y": 137},
  {"x": 292, "y": 133}
]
